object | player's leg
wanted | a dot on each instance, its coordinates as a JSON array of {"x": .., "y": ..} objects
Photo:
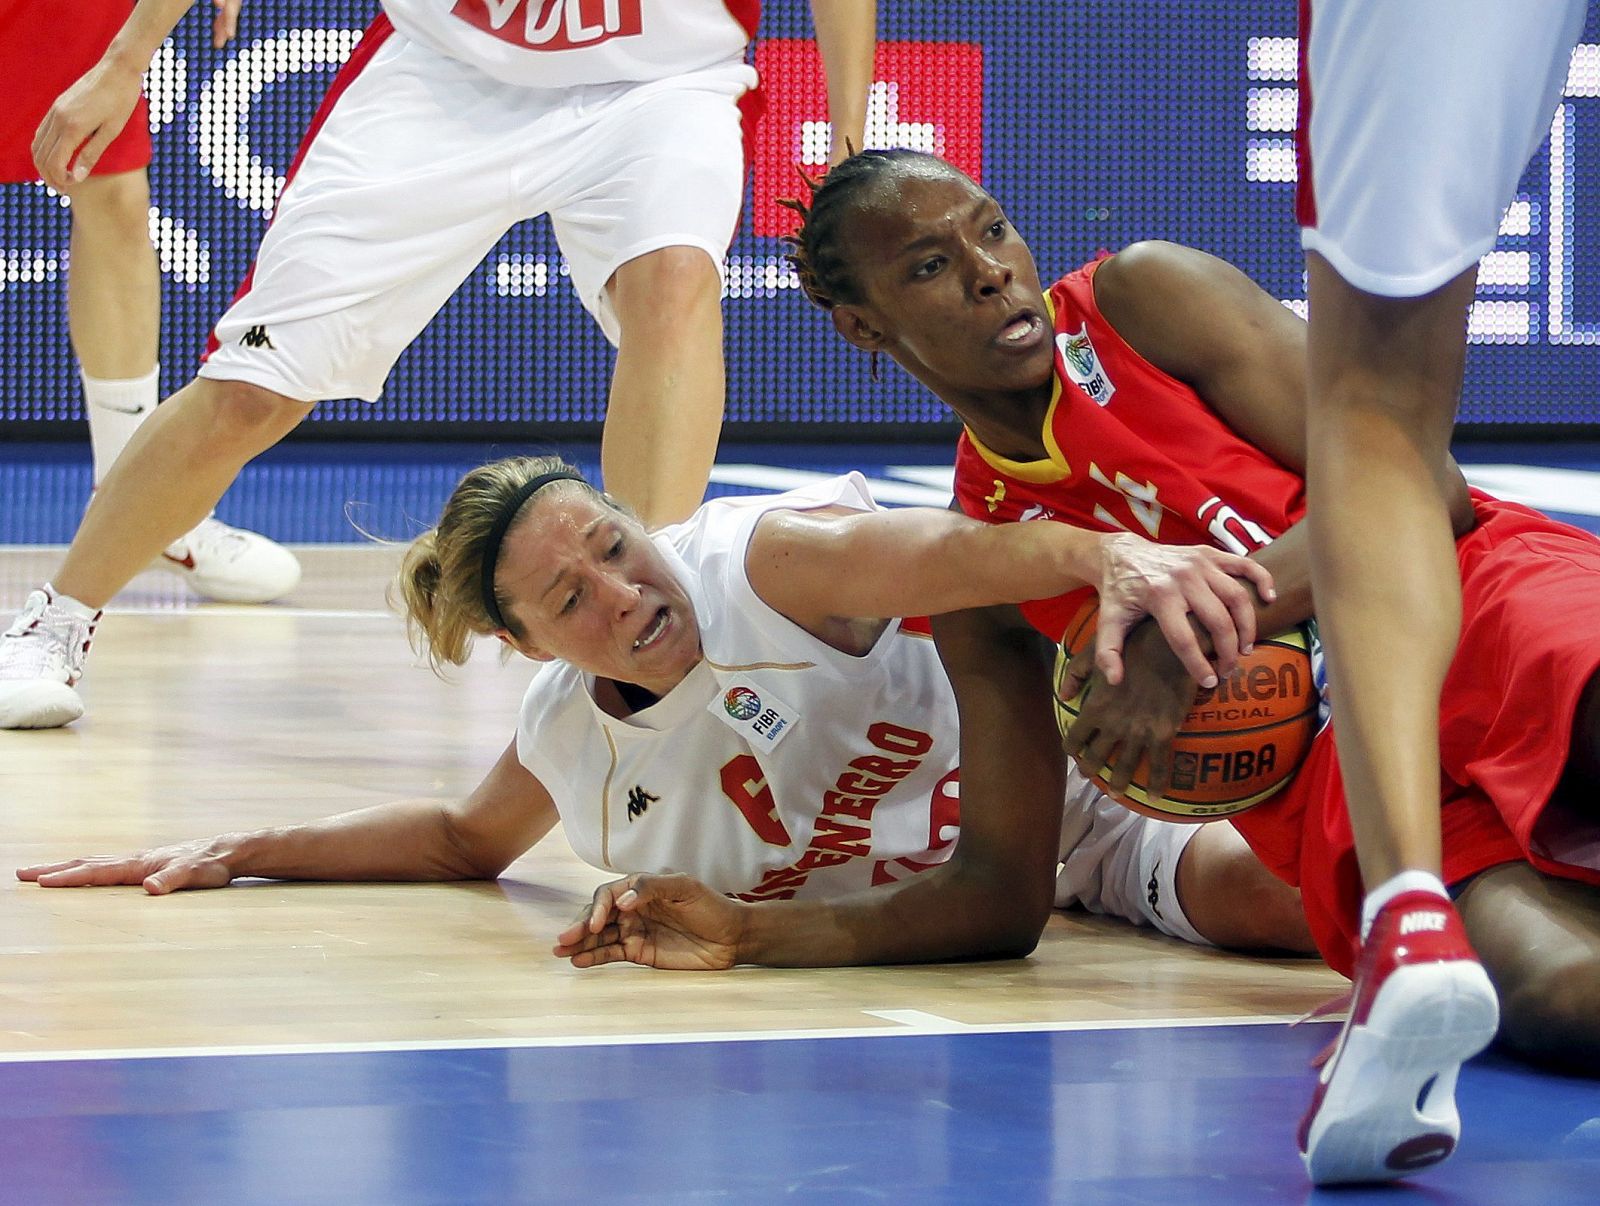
[
  {"x": 113, "y": 313},
  {"x": 1539, "y": 937},
  {"x": 349, "y": 272},
  {"x": 166, "y": 481},
  {"x": 1538, "y": 934},
  {"x": 114, "y": 306},
  {"x": 168, "y": 478},
  {"x": 1231, "y": 898},
  {"x": 114, "y": 309},
  {"x": 1198, "y": 883},
  {"x": 664, "y": 412},
  {"x": 644, "y": 226},
  {"x": 1385, "y": 374},
  {"x": 1411, "y": 147}
]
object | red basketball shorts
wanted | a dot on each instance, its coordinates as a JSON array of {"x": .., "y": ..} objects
[
  {"x": 1530, "y": 643},
  {"x": 44, "y": 49}
]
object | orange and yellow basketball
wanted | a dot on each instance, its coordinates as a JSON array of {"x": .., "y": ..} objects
[{"x": 1243, "y": 740}]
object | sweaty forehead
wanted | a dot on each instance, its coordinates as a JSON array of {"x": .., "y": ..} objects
[
  {"x": 917, "y": 188},
  {"x": 561, "y": 509}
]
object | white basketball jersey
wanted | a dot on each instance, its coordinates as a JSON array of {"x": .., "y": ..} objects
[
  {"x": 569, "y": 43},
  {"x": 780, "y": 765}
]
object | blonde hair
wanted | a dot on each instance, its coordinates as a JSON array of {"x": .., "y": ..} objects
[{"x": 439, "y": 584}]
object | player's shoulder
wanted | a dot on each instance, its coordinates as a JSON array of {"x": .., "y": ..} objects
[{"x": 1147, "y": 263}]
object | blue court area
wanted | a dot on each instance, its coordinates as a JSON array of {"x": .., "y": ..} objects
[
  {"x": 317, "y": 493},
  {"x": 1159, "y": 1115}
]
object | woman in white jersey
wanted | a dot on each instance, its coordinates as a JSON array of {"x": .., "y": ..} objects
[
  {"x": 451, "y": 121},
  {"x": 712, "y": 703}
]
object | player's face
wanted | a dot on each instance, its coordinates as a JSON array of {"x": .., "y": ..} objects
[
  {"x": 952, "y": 292},
  {"x": 585, "y": 584}
]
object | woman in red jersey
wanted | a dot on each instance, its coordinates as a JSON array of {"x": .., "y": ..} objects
[{"x": 1161, "y": 391}]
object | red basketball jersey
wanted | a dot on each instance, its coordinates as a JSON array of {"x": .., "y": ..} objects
[{"x": 1130, "y": 448}]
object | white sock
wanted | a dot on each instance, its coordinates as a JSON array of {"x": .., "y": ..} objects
[
  {"x": 116, "y": 408},
  {"x": 70, "y": 605},
  {"x": 1406, "y": 881}
]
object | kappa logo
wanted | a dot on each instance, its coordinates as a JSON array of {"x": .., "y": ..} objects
[
  {"x": 1152, "y": 890},
  {"x": 638, "y": 801},
  {"x": 1083, "y": 366},
  {"x": 999, "y": 496},
  {"x": 256, "y": 337},
  {"x": 1422, "y": 923}
]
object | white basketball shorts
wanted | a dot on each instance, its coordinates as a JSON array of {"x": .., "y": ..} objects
[
  {"x": 418, "y": 163},
  {"x": 1417, "y": 118},
  {"x": 1121, "y": 864}
]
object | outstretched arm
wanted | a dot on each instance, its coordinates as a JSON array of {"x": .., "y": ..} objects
[
  {"x": 847, "y": 39},
  {"x": 990, "y": 900},
  {"x": 821, "y": 566},
  {"x": 407, "y": 840}
]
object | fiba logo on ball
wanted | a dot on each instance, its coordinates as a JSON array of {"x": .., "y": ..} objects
[
  {"x": 742, "y": 703},
  {"x": 1191, "y": 771},
  {"x": 1241, "y": 740}
]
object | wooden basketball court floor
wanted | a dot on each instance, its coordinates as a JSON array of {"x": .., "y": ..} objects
[{"x": 417, "y": 1043}]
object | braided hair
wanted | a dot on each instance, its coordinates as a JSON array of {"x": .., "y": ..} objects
[{"x": 817, "y": 254}]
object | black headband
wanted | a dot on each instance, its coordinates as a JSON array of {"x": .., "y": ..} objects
[{"x": 491, "y": 547}]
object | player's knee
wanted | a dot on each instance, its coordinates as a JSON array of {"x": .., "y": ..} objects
[
  {"x": 1234, "y": 901},
  {"x": 238, "y": 419},
  {"x": 1551, "y": 1015},
  {"x": 665, "y": 284},
  {"x": 116, "y": 206},
  {"x": 1266, "y": 915}
]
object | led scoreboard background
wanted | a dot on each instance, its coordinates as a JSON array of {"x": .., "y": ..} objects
[{"x": 1096, "y": 123}]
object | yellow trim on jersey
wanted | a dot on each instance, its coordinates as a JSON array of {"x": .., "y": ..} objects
[
  {"x": 1049, "y": 433},
  {"x": 1055, "y": 467}
]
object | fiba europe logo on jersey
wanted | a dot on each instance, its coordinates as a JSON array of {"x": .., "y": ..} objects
[
  {"x": 1083, "y": 366},
  {"x": 742, "y": 703}
]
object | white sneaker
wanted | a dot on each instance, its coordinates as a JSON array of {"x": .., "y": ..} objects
[
  {"x": 1421, "y": 1005},
  {"x": 231, "y": 565},
  {"x": 41, "y": 657}
]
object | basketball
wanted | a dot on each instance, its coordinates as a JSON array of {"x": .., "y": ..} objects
[{"x": 1241, "y": 742}]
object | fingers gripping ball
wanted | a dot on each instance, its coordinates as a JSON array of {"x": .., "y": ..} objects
[{"x": 1243, "y": 740}]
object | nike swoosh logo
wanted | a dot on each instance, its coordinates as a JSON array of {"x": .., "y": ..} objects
[{"x": 121, "y": 410}]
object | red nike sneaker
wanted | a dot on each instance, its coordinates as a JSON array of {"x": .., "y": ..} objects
[{"x": 1421, "y": 1005}]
